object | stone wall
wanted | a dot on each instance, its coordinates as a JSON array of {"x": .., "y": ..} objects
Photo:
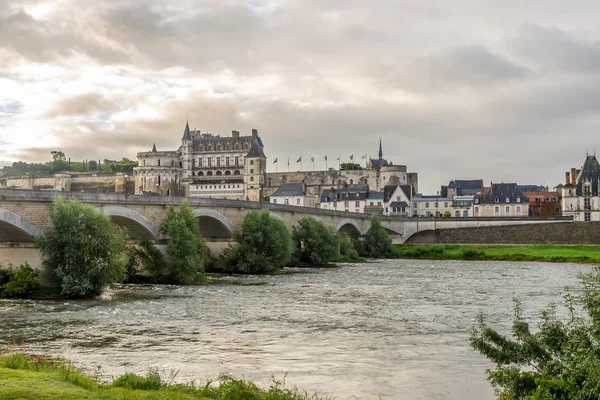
[{"x": 556, "y": 233}]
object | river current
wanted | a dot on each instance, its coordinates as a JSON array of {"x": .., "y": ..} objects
[{"x": 388, "y": 329}]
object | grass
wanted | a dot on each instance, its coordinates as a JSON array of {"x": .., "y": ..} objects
[
  {"x": 531, "y": 252},
  {"x": 45, "y": 378}
]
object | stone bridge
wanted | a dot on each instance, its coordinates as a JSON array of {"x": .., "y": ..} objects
[{"x": 24, "y": 216}]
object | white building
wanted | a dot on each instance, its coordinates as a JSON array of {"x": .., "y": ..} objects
[
  {"x": 392, "y": 200},
  {"x": 502, "y": 200},
  {"x": 293, "y": 194},
  {"x": 431, "y": 206},
  {"x": 580, "y": 194}
]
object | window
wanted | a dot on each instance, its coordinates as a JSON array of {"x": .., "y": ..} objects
[
  {"x": 159, "y": 162},
  {"x": 437, "y": 214},
  {"x": 457, "y": 213},
  {"x": 477, "y": 210},
  {"x": 477, "y": 201},
  {"x": 251, "y": 171},
  {"x": 218, "y": 162},
  {"x": 497, "y": 200},
  {"x": 209, "y": 162},
  {"x": 227, "y": 161},
  {"x": 445, "y": 204},
  {"x": 415, "y": 205},
  {"x": 507, "y": 209},
  {"x": 237, "y": 159},
  {"x": 588, "y": 217},
  {"x": 144, "y": 163},
  {"x": 426, "y": 205},
  {"x": 465, "y": 213},
  {"x": 346, "y": 203},
  {"x": 371, "y": 203},
  {"x": 274, "y": 200},
  {"x": 518, "y": 199},
  {"x": 397, "y": 198},
  {"x": 497, "y": 209},
  {"x": 158, "y": 181},
  {"x": 298, "y": 201},
  {"x": 251, "y": 179},
  {"x": 287, "y": 201},
  {"x": 508, "y": 199},
  {"x": 436, "y": 204},
  {"x": 251, "y": 162},
  {"x": 428, "y": 214},
  {"x": 378, "y": 203},
  {"x": 172, "y": 163},
  {"x": 357, "y": 204}
]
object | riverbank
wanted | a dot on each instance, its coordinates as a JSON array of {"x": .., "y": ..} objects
[
  {"x": 587, "y": 254},
  {"x": 45, "y": 378}
]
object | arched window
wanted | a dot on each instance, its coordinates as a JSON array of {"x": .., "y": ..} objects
[
  {"x": 218, "y": 173},
  {"x": 200, "y": 173},
  {"x": 227, "y": 173},
  {"x": 236, "y": 172},
  {"x": 209, "y": 173}
]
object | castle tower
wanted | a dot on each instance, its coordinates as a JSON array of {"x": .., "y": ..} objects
[
  {"x": 255, "y": 169},
  {"x": 187, "y": 151}
]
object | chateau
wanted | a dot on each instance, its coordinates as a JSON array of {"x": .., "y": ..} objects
[{"x": 234, "y": 167}]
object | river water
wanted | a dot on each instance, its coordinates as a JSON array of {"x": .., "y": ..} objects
[{"x": 391, "y": 329}]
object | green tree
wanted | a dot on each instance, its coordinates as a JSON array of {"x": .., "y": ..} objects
[
  {"x": 93, "y": 165},
  {"x": 561, "y": 360},
  {"x": 22, "y": 283},
  {"x": 316, "y": 243},
  {"x": 263, "y": 245},
  {"x": 187, "y": 252},
  {"x": 58, "y": 156},
  {"x": 348, "y": 251},
  {"x": 83, "y": 249},
  {"x": 377, "y": 243},
  {"x": 350, "y": 166}
]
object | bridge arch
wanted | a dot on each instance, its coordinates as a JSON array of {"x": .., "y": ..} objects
[
  {"x": 391, "y": 230},
  {"x": 135, "y": 223},
  {"x": 213, "y": 224},
  {"x": 349, "y": 227},
  {"x": 16, "y": 228}
]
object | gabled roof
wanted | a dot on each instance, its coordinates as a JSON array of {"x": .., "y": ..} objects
[
  {"x": 186, "y": 133},
  {"x": 379, "y": 163},
  {"x": 256, "y": 150},
  {"x": 590, "y": 172},
  {"x": 389, "y": 191},
  {"x": 374, "y": 196},
  {"x": 499, "y": 192},
  {"x": 291, "y": 189}
]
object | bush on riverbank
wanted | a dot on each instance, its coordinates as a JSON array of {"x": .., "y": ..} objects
[
  {"x": 41, "y": 377},
  {"x": 21, "y": 282},
  {"x": 560, "y": 361},
  {"x": 377, "y": 242},
  {"x": 83, "y": 249},
  {"x": 263, "y": 245},
  {"x": 348, "y": 251},
  {"x": 316, "y": 243}
]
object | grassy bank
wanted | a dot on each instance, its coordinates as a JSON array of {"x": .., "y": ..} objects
[
  {"x": 44, "y": 378},
  {"x": 531, "y": 252}
]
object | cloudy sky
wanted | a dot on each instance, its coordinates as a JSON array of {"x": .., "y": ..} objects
[{"x": 500, "y": 90}]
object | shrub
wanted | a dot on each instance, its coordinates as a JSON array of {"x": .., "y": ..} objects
[
  {"x": 22, "y": 283},
  {"x": 316, "y": 243},
  {"x": 187, "y": 252},
  {"x": 152, "y": 260},
  {"x": 559, "y": 361},
  {"x": 152, "y": 381},
  {"x": 83, "y": 249},
  {"x": 263, "y": 245},
  {"x": 348, "y": 252},
  {"x": 377, "y": 243},
  {"x": 472, "y": 254}
]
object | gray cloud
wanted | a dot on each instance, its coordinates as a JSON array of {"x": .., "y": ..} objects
[{"x": 473, "y": 89}]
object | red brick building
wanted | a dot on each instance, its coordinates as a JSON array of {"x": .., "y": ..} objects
[{"x": 543, "y": 203}]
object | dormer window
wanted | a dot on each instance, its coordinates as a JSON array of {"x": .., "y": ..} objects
[
  {"x": 497, "y": 200},
  {"x": 518, "y": 199},
  {"x": 508, "y": 199}
]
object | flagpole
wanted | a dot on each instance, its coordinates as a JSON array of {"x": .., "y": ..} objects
[{"x": 313, "y": 160}]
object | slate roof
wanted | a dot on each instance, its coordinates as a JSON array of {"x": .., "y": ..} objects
[
  {"x": 291, "y": 189},
  {"x": 186, "y": 133},
  {"x": 374, "y": 196},
  {"x": 357, "y": 191},
  {"x": 379, "y": 163},
  {"x": 590, "y": 172},
  {"x": 500, "y": 191},
  {"x": 398, "y": 204},
  {"x": 464, "y": 187},
  {"x": 256, "y": 150},
  {"x": 532, "y": 188}
]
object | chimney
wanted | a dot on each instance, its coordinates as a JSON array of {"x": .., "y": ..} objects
[
  {"x": 573, "y": 176},
  {"x": 235, "y": 136},
  {"x": 304, "y": 187},
  {"x": 567, "y": 178},
  {"x": 254, "y": 134},
  {"x": 491, "y": 187}
]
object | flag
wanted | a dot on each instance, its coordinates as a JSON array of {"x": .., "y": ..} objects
[
  {"x": 351, "y": 157},
  {"x": 275, "y": 161},
  {"x": 364, "y": 157},
  {"x": 338, "y": 158},
  {"x": 288, "y": 162},
  {"x": 325, "y": 158},
  {"x": 312, "y": 159},
  {"x": 300, "y": 159}
]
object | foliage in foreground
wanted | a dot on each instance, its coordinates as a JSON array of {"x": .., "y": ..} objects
[
  {"x": 560, "y": 361},
  {"x": 377, "y": 242},
  {"x": 348, "y": 247},
  {"x": 83, "y": 249},
  {"x": 44, "y": 377},
  {"x": 316, "y": 243},
  {"x": 21, "y": 282},
  {"x": 263, "y": 245}
]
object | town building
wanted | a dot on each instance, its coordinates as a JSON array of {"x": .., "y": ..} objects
[
  {"x": 358, "y": 198},
  {"x": 431, "y": 206},
  {"x": 502, "y": 200},
  {"x": 294, "y": 194},
  {"x": 461, "y": 187},
  {"x": 543, "y": 203},
  {"x": 580, "y": 197}
]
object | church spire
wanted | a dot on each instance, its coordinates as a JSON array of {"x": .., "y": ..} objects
[
  {"x": 380, "y": 150},
  {"x": 186, "y": 132},
  {"x": 154, "y": 148}
]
